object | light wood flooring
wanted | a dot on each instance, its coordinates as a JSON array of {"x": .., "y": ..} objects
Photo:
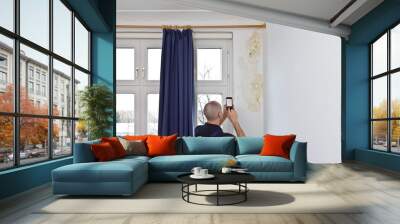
[{"x": 377, "y": 188}]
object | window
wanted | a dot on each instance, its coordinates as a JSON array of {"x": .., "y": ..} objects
[
  {"x": 138, "y": 80},
  {"x": 153, "y": 63},
  {"x": 7, "y": 14},
  {"x": 6, "y": 73},
  {"x": 81, "y": 45},
  {"x": 62, "y": 72},
  {"x": 209, "y": 65},
  {"x": 125, "y": 63},
  {"x": 152, "y": 113},
  {"x": 62, "y": 29},
  {"x": 34, "y": 21},
  {"x": 125, "y": 114},
  {"x": 385, "y": 92},
  {"x": 45, "y": 131}
]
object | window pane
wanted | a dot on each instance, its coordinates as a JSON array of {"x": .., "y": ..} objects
[
  {"x": 81, "y": 131},
  {"x": 379, "y": 135},
  {"x": 81, "y": 45},
  {"x": 125, "y": 114},
  {"x": 62, "y": 89},
  {"x": 6, "y": 75},
  {"x": 7, "y": 14},
  {"x": 395, "y": 47},
  {"x": 202, "y": 100},
  {"x": 33, "y": 139},
  {"x": 395, "y": 136},
  {"x": 62, "y": 138},
  {"x": 35, "y": 21},
  {"x": 34, "y": 97},
  {"x": 153, "y": 64},
  {"x": 379, "y": 55},
  {"x": 395, "y": 94},
  {"x": 6, "y": 142},
  {"x": 81, "y": 82},
  {"x": 125, "y": 64},
  {"x": 62, "y": 29},
  {"x": 152, "y": 113},
  {"x": 379, "y": 97},
  {"x": 209, "y": 64}
]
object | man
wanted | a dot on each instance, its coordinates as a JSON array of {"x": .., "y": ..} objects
[{"x": 215, "y": 117}]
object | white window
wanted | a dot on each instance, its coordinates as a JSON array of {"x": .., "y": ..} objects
[{"x": 138, "y": 76}]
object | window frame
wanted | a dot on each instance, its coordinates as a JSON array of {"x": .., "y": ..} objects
[
  {"x": 141, "y": 87},
  {"x": 388, "y": 74},
  {"x": 15, "y": 72}
]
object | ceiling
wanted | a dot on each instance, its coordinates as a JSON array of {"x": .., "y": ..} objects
[
  {"x": 306, "y": 14},
  {"x": 164, "y": 12}
]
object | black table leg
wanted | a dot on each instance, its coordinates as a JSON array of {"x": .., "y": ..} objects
[
  {"x": 217, "y": 194},
  {"x": 195, "y": 188}
]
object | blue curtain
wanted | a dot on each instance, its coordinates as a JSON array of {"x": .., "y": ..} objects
[{"x": 176, "y": 84}]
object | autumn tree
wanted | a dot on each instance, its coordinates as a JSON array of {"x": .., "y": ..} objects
[
  {"x": 380, "y": 127},
  {"x": 33, "y": 131}
]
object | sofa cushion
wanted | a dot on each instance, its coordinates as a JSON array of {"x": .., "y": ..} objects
[
  {"x": 112, "y": 171},
  {"x": 257, "y": 163},
  {"x": 249, "y": 145},
  {"x": 207, "y": 145},
  {"x": 185, "y": 163}
]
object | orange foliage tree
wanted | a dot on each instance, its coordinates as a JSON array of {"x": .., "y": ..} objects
[
  {"x": 33, "y": 131},
  {"x": 380, "y": 127}
]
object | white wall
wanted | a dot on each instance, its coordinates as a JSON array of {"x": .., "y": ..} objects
[
  {"x": 248, "y": 79},
  {"x": 302, "y": 91}
]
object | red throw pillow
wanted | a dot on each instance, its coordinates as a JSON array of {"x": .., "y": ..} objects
[
  {"x": 116, "y": 145},
  {"x": 277, "y": 145},
  {"x": 161, "y": 145},
  {"x": 103, "y": 152}
]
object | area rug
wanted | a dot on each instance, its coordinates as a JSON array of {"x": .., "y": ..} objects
[{"x": 166, "y": 198}]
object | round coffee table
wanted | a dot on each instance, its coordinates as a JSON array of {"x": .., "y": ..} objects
[{"x": 238, "y": 179}]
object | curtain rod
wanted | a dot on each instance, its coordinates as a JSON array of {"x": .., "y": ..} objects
[{"x": 257, "y": 26}]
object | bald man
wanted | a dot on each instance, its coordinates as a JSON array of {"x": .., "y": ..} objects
[{"x": 215, "y": 117}]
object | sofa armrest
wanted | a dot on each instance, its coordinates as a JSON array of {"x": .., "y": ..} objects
[
  {"x": 298, "y": 155},
  {"x": 83, "y": 152}
]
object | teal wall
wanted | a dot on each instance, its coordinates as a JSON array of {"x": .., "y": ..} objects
[
  {"x": 100, "y": 16},
  {"x": 356, "y": 84}
]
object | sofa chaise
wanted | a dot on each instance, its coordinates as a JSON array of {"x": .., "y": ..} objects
[{"x": 125, "y": 176}]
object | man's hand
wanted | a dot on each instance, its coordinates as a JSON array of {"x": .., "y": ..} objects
[{"x": 232, "y": 115}]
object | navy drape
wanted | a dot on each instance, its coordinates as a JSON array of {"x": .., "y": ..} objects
[{"x": 176, "y": 84}]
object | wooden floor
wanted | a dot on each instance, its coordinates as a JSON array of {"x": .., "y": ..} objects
[{"x": 377, "y": 188}]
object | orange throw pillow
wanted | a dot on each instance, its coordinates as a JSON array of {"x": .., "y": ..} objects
[
  {"x": 116, "y": 145},
  {"x": 161, "y": 145},
  {"x": 136, "y": 137},
  {"x": 103, "y": 152},
  {"x": 277, "y": 145}
]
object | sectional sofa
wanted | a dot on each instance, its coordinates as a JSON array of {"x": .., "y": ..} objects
[{"x": 125, "y": 176}]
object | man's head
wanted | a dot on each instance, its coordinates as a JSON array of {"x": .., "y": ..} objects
[{"x": 213, "y": 111}]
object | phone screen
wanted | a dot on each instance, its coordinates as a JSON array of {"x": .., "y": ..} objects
[{"x": 229, "y": 102}]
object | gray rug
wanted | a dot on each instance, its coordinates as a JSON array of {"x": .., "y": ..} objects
[{"x": 166, "y": 198}]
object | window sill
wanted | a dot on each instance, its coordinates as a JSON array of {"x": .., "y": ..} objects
[{"x": 26, "y": 167}]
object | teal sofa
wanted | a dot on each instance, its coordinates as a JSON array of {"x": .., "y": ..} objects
[{"x": 125, "y": 176}]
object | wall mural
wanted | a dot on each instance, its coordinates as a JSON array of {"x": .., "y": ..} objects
[{"x": 251, "y": 65}]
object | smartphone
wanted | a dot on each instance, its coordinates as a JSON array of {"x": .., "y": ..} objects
[{"x": 229, "y": 102}]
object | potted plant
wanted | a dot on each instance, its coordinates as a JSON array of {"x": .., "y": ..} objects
[{"x": 96, "y": 103}]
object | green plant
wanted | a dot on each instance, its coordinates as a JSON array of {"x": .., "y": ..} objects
[{"x": 96, "y": 103}]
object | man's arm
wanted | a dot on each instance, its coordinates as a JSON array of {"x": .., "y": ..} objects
[{"x": 232, "y": 115}]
